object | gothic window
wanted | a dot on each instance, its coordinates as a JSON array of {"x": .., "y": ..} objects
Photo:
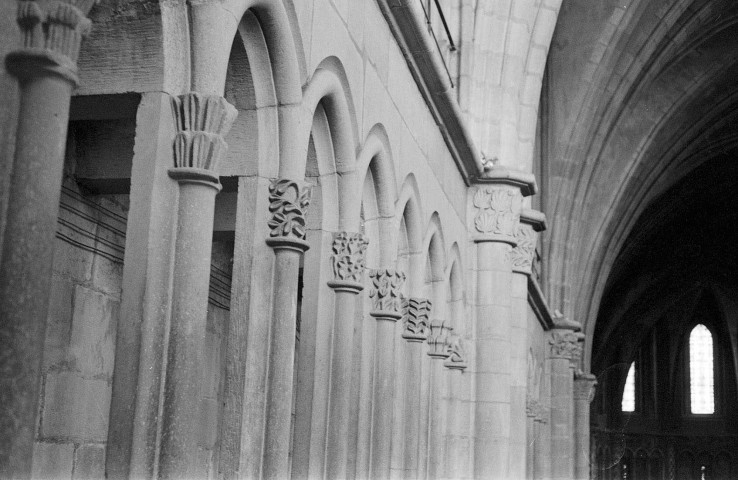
[
  {"x": 628, "y": 402},
  {"x": 701, "y": 371}
]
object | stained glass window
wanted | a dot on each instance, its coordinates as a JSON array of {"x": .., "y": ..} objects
[
  {"x": 701, "y": 372},
  {"x": 628, "y": 403}
]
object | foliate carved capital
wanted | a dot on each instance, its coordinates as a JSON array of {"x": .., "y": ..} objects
[
  {"x": 497, "y": 212},
  {"x": 288, "y": 202},
  {"x": 385, "y": 293},
  {"x": 457, "y": 359},
  {"x": 566, "y": 344},
  {"x": 202, "y": 121},
  {"x": 531, "y": 222},
  {"x": 584, "y": 387},
  {"x": 348, "y": 261},
  {"x": 532, "y": 408},
  {"x": 415, "y": 318},
  {"x": 437, "y": 339},
  {"x": 52, "y": 32}
]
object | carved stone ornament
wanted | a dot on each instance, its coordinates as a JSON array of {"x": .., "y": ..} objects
[
  {"x": 456, "y": 359},
  {"x": 288, "y": 202},
  {"x": 52, "y": 33},
  {"x": 543, "y": 414},
  {"x": 385, "y": 293},
  {"x": 584, "y": 387},
  {"x": 498, "y": 212},
  {"x": 415, "y": 318},
  {"x": 522, "y": 254},
  {"x": 202, "y": 121},
  {"x": 437, "y": 337},
  {"x": 532, "y": 408},
  {"x": 565, "y": 344},
  {"x": 348, "y": 261}
]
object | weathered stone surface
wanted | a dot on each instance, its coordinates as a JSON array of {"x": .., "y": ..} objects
[{"x": 75, "y": 408}]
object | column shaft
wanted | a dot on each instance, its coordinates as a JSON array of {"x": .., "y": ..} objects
[
  {"x": 494, "y": 277},
  {"x": 383, "y": 383},
  {"x": 583, "y": 394},
  {"x": 562, "y": 421},
  {"x": 519, "y": 378},
  {"x": 27, "y": 259},
  {"x": 281, "y": 365},
  {"x": 182, "y": 392}
]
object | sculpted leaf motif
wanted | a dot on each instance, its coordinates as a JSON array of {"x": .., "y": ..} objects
[{"x": 288, "y": 202}]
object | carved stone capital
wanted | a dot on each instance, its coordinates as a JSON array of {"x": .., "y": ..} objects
[
  {"x": 415, "y": 318},
  {"x": 348, "y": 261},
  {"x": 202, "y": 121},
  {"x": 543, "y": 414},
  {"x": 566, "y": 344},
  {"x": 584, "y": 386},
  {"x": 497, "y": 213},
  {"x": 437, "y": 339},
  {"x": 457, "y": 359},
  {"x": 288, "y": 202},
  {"x": 532, "y": 408},
  {"x": 385, "y": 293},
  {"x": 531, "y": 222},
  {"x": 52, "y": 33}
]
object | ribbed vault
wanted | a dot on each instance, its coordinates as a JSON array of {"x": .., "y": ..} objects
[{"x": 637, "y": 96}]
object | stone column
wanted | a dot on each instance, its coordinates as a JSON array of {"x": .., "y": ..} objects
[
  {"x": 386, "y": 309},
  {"x": 202, "y": 122},
  {"x": 288, "y": 204},
  {"x": 542, "y": 461},
  {"x": 438, "y": 350},
  {"x": 531, "y": 222},
  {"x": 415, "y": 332},
  {"x": 46, "y": 69},
  {"x": 584, "y": 389},
  {"x": 531, "y": 412},
  {"x": 348, "y": 262},
  {"x": 564, "y": 352},
  {"x": 497, "y": 203}
]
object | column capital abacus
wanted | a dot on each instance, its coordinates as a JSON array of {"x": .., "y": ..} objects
[
  {"x": 437, "y": 337},
  {"x": 457, "y": 359},
  {"x": 385, "y": 294},
  {"x": 348, "y": 262},
  {"x": 288, "y": 202},
  {"x": 52, "y": 33},
  {"x": 584, "y": 386},
  {"x": 531, "y": 222},
  {"x": 415, "y": 318}
]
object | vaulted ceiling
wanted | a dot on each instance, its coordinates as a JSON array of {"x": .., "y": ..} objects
[{"x": 637, "y": 95}]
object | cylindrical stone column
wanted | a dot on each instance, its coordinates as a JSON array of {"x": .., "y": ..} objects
[
  {"x": 288, "y": 203},
  {"x": 497, "y": 204},
  {"x": 202, "y": 122},
  {"x": 564, "y": 352},
  {"x": 521, "y": 424},
  {"x": 46, "y": 69},
  {"x": 542, "y": 461},
  {"x": 415, "y": 332},
  {"x": 584, "y": 388},
  {"x": 348, "y": 262},
  {"x": 386, "y": 310},
  {"x": 531, "y": 412},
  {"x": 438, "y": 350}
]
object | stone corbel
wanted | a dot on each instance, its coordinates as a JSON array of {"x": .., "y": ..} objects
[
  {"x": 531, "y": 222},
  {"x": 385, "y": 293},
  {"x": 348, "y": 261},
  {"x": 437, "y": 338},
  {"x": 457, "y": 359},
  {"x": 415, "y": 318},
  {"x": 288, "y": 202},
  {"x": 52, "y": 33}
]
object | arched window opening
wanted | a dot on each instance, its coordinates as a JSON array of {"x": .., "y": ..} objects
[
  {"x": 628, "y": 402},
  {"x": 701, "y": 371}
]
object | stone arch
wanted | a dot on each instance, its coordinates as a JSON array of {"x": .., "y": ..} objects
[
  {"x": 409, "y": 212},
  {"x": 375, "y": 180}
]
